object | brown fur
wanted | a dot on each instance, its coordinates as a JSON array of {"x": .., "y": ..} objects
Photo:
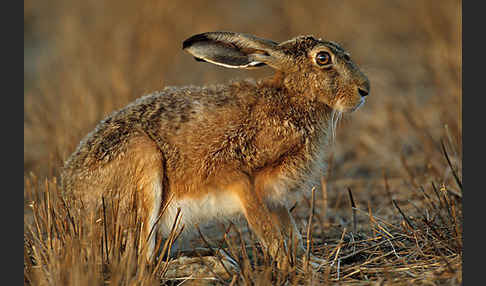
[{"x": 262, "y": 141}]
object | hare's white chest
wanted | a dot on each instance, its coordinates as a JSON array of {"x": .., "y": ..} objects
[{"x": 206, "y": 210}]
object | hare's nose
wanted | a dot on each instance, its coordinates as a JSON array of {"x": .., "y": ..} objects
[{"x": 363, "y": 92}]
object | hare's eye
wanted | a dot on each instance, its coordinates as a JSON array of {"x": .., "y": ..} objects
[{"x": 323, "y": 58}]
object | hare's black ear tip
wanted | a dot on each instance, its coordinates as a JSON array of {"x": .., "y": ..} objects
[
  {"x": 194, "y": 39},
  {"x": 199, "y": 59}
]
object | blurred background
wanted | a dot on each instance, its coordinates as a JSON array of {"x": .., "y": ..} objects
[{"x": 85, "y": 59}]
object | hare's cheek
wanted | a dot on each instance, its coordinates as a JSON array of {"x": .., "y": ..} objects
[{"x": 324, "y": 92}]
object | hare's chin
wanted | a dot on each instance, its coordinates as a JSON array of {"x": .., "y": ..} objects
[{"x": 339, "y": 106}]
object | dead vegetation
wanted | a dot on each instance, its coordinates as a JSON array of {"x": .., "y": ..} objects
[{"x": 391, "y": 209}]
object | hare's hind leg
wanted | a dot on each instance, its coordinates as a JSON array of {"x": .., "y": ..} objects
[
  {"x": 150, "y": 209},
  {"x": 144, "y": 160}
]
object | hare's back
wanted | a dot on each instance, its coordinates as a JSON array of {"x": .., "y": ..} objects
[{"x": 164, "y": 116}]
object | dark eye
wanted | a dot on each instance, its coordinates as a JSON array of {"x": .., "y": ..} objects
[
  {"x": 346, "y": 57},
  {"x": 323, "y": 58}
]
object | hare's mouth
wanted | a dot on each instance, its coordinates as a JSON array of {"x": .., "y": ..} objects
[
  {"x": 360, "y": 103},
  {"x": 347, "y": 107}
]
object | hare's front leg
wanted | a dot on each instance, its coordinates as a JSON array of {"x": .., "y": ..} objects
[
  {"x": 261, "y": 220},
  {"x": 283, "y": 218},
  {"x": 293, "y": 240},
  {"x": 287, "y": 227},
  {"x": 272, "y": 223}
]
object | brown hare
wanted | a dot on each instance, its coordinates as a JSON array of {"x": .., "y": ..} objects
[{"x": 244, "y": 148}]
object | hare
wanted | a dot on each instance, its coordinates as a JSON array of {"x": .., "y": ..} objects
[{"x": 246, "y": 148}]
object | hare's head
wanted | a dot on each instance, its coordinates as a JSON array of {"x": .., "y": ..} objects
[{"x": 309, "y": 67}]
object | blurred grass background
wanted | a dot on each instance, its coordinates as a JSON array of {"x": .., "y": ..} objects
[{"x": 84, "y": 59}]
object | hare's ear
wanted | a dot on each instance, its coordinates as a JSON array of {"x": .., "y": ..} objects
[{"x": 233, "y": 50}]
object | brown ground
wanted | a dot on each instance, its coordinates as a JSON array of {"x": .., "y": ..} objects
[{"x": 400, "y": 155}]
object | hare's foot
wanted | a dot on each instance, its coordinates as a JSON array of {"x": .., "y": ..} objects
[{"x": 202, "y": 267}]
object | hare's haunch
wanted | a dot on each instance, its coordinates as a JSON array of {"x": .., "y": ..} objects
[{"x": 215, "y": 152}]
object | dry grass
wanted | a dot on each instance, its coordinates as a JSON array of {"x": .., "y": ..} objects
[{"x": 399, "y": 157}]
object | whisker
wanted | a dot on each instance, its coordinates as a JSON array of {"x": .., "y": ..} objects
[
  {"x": 334, "y": 124},
  {"x": 331, "y": 124},
  {"x": 335, "y": 114}
]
